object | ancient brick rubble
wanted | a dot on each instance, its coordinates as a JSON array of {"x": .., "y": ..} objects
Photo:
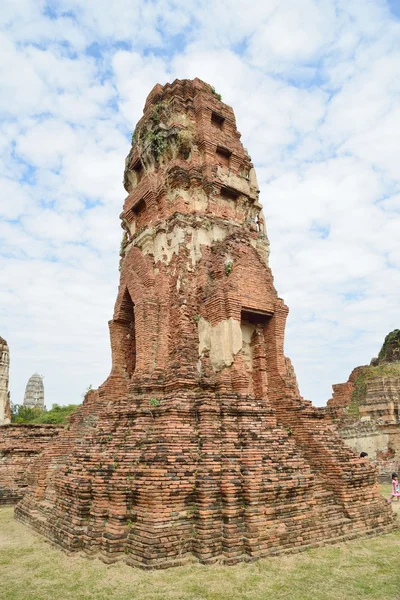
[
  {"x": 5, "y": 409},
  {"x": 198, "y": 445},
  {"x": 372, "y": 391},
  {"x": 19, "y": 444},
  {"x": 366, "y": 409}
]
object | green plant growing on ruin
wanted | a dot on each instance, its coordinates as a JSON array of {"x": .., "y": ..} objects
[
  {"x": 357, "y": 395},
  {"x": 124, "y": 243},
  {"x": 228, "y": 267},
  {"x": 151, "y": 133},
  {"x": 185, "y": 138},
  {"x": 196, "y": 318},
  {"x": 157, "y": 142},
  {"x": 154, "y": 402},
  {"x": 289, "y": 431},
  {"x": 155, "y": 117},
  {"x": 391, "y": 339},
  {"x": 218, "y": 96}
]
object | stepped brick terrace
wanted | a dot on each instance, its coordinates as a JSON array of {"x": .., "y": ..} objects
[{"x": 198, "y": 446}]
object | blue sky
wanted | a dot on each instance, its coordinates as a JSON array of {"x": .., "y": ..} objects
[{"x": 315, "y": 86}]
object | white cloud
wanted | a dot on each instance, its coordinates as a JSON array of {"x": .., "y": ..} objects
[{"x": 294, "y": 32}]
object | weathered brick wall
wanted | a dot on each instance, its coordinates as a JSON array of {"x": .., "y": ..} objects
[
  {"x": 342, "y": 394},
  {"x": 382, "y": 399},
  {"x": 380, "y": 441},
  {"x": 369, "y": 421},
  {"x": 198, "y": 445},
  {"x": 19, "y": 446}
]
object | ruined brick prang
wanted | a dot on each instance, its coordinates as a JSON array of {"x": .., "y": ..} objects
[
  {"x": 366, "y": 409},
  {"x": 390, "y": 351},
  {"x": 34, "y": 392},
  {"x": 372, "y": 391},
  {"x": 5, "y": 413},
  {"x": 198, "y": 445}
]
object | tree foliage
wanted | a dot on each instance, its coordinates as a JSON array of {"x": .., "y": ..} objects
[{"x": 56, "y": 415}]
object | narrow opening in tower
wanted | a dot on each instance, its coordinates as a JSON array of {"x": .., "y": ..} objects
[
  {"x": 129, "y": 334},
  {"x": 229, "y": 192},
  {"x": 138, "y": 169},
  {"x": 217, "y": 120},
  {"x": 254, "y": 352},
  {"x": 255, "y": 317},
  {"x": 139, "y": 208},
  {"x": 223, "y": 155},
  {"x": 139, "y": 215}
]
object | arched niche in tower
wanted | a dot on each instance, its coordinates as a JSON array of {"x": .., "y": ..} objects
[
  {"x": 123, "y": 337},
  {"x": 127, "y": 315}
]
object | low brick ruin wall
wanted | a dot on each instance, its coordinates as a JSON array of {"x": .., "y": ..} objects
[
  {"x": 380, "y": 441},
  {"x": 19, "y": 446}
]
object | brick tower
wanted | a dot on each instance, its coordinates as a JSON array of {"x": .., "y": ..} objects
[
  {"x": 198, "y": 445},
  {"x": 5, "y": 415},
  {"x": 34, "y": 392}
]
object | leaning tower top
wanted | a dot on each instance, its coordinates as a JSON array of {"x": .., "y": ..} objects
[{"x": 187, "y": 159}]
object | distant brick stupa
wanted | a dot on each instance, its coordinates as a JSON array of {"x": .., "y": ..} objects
[
  {"x": 34, "y": 392},
  {"x": 198, "y": 445}
]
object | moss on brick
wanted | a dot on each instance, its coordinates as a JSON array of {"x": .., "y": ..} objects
[
  {"x": 360, "y": 385},
  {"x": 392, "y": 340}
]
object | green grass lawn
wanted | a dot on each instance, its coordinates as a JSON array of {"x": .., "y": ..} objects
[
  {"x": 31, "y": 569},
  {"x": 386, "y": 490}
]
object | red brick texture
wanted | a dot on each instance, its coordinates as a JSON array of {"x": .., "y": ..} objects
[
  {"x": 19, "y": 447},
  {"x": 198, "y": 445},
  {"x": 337, "y": 406}
]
